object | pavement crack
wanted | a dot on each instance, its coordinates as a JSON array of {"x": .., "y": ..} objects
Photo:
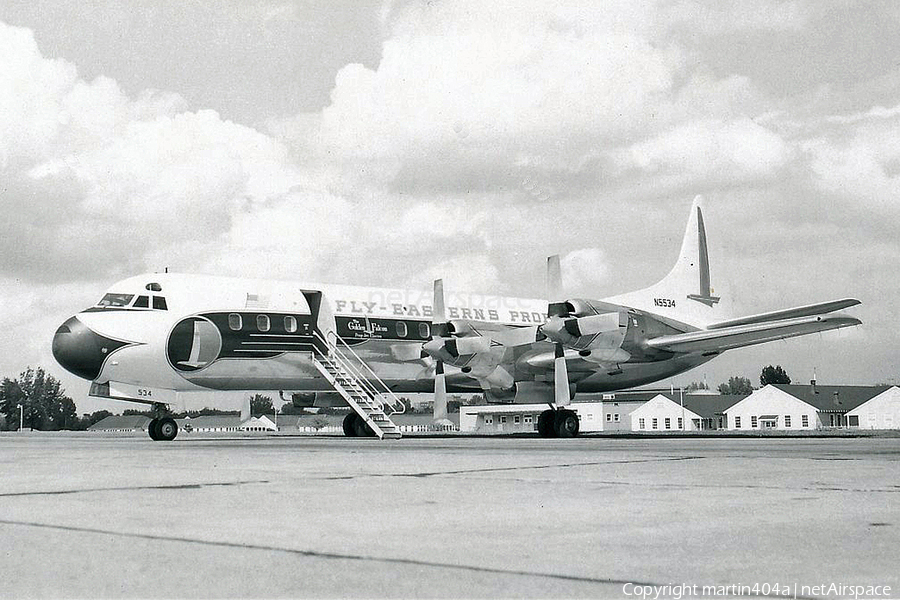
[
  {"x": 388, "y": 560},
  {"x": 182, "y": 486},
  {"x": 517, "y": 468}
]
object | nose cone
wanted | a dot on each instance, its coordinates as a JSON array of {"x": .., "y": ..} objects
[{"x": 80, "y": 350}]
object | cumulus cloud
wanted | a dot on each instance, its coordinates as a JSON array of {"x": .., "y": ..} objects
[
  {"x": 98, "y": 179},
  {"x": 488, "y": 136},
  {"x": 710, "y": 152},
  {"x": 584, "y": 272}
]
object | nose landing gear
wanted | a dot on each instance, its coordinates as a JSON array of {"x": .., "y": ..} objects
[{"x": 162, "y": 428}]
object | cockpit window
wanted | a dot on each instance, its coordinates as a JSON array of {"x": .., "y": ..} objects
[
  {"x": 142, "y": 302},
  {"x": 153, "y": 287},
  {"x": 159, "y": 303},
  {"x": 115, "y": 300}
]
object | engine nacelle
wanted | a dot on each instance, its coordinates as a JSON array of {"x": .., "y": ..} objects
[
  {"x": 525, "y": 392},
  {"x": 603, "y": 331}
]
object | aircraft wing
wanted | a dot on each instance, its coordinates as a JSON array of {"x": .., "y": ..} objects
[
  {"x": 789, "y": 313},
  {"x": 736, "y": 336}
]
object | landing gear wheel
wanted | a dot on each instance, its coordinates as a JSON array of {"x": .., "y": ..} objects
[
  {"x": 153, "y": 429},
  {"x": 166, "y": 429},
  {"x": 566, "y": 423},
  {"x": 362, "y": 428},
  {"x": 546, "y": 424},
  {"x": 349, "y": 424}
]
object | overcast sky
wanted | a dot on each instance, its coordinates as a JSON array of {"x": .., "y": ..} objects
[{"x": 386, "y": 144}]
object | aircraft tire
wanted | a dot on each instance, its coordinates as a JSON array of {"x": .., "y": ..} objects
[
  {"x": 166, "y": 429},
  {"x": 349, "y": 424},
  {"x": 566, "y": 423},
  {"x": 152, "y": 429},
  {"x": 546, "y": 424},
  {"x": 362, "y": 428}
]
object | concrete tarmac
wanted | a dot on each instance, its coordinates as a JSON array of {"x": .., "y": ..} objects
[{"x": 445, "y": 517}]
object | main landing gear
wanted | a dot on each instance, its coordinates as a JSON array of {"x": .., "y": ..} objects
[
  {"x": 355, "y": 426},
  {"x": 162, "y": 428},
  {"x": 560, "y": 422}
]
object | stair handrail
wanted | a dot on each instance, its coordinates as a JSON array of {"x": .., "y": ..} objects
[
  {"x": 366, "y": 382},
  {"x": 371, "y": 395}
]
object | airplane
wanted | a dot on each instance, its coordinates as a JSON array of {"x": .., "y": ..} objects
[{"x": 155, "y": 335}]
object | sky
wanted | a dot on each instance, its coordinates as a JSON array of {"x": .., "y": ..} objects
[{"x": 387, "y": 144}]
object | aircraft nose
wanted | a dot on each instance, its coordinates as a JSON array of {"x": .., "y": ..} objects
[{"x": 80, "y": 350}]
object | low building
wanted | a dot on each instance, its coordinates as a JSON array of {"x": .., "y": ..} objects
[
  {"x": 120, "y": 423},
  {"x": 798, "y": 407},
  {"x": 882, "y": 411},
  {"x": 710, "y": 408},
  {"x": 513, "y": 418},
  {"x": 211, "y": 424},
  {"x": 261, "y": 423},
  {"x": 661, "y": 413}
]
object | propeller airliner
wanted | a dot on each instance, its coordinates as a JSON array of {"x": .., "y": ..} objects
[{"x": 154, "y": 335}]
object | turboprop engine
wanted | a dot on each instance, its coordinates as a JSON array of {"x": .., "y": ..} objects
[{"x": 578, "y": 325}]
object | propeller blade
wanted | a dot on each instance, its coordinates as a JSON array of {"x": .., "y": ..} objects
[
  {"x": 560, "y": 377},
  {"x": 469, "y": 345},
  {"x": 439, "y": 325},
  {"x": 518, "y": 336},
  {"x": 556, "y": 306},
  {"x": 440, "y": 393}
]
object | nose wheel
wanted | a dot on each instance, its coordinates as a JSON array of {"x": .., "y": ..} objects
[{"x": 163, "y": 430}]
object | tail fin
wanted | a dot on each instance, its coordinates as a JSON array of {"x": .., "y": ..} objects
[{"x": 686, "y": 294}]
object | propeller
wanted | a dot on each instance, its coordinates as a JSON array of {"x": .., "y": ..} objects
[
  {"x": 440, "y": 393},
  {"x": 440, "y": 329},
  {"x": 557, "y": 309}
]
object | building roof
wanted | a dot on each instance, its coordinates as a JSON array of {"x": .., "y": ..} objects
[
  {"x": 839, "y": 398},
  {"x": 709, "y": 406},
  {"x": 121, "y": 422},
  {"x": 621, "y": 396},
  {"x": 212, "y": 421}
]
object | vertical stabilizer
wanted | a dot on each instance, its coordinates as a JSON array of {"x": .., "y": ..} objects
[{"x": 687, "y": 294}]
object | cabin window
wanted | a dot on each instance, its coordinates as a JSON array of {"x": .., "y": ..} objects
[
  {"x": 142, "y": 302},
  {"x": 787, "y": 420},
  {"x": 641, "y": 423},
  {"x": 402, "y": 330},
  {"x": 668, "y": 423},
  {"x": 153, "y": 287},
  {"x": 737, "y": 422},
  {"x": 655, "y": 423},
  {"x": 234, "y": 322},
  {"x": 753, "y": 422},
  {"x": 262, "y": 322},
  {"x": 424, "y": 330},
  {"x": 159, "y": 303},
  {"x": 680, "y": 423},
  {"x": 290, "y": 324},
  {"x": 804, "y": 420},
  {"x": 116, "y": 300}
]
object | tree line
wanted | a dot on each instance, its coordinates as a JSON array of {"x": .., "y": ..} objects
[{"x": 45, "y": 406}]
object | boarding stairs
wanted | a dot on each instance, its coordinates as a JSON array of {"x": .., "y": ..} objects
[{"x": 353, "y": 379}]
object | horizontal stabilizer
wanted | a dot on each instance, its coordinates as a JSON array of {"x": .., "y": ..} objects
[
  {"x": 737, "y": 336},
  {"x": 788, "y": 313}
]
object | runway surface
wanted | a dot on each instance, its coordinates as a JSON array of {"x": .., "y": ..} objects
[{"x": 90, "y": 516}]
